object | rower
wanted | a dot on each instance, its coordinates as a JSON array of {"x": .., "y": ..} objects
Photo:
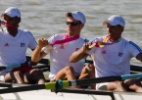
[
  {"x": 13, "y": 45},
  {"x": 112, "y": 53}
]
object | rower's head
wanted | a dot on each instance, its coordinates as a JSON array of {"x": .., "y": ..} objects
[
  {"x": 115, "y": 26},
  {"x": 12, "y": 16},
  {"x": 75, "y": 22},
  {"x": 13, "y": 12}
]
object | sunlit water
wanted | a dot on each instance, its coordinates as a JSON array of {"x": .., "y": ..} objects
[{"x": 46, "y": 17}]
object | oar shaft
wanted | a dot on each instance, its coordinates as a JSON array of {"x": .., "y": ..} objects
[
  {"x": 105, "y": 79},
  {"x": 97, "y": 80},
  {"x": 5, "y": 85},
  {"x": 22, "y": 88}
]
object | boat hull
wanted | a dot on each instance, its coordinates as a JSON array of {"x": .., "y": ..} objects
[{"x": 44, "y": 94}]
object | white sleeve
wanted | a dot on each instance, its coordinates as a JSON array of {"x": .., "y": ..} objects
[
  {"x": 32, "y": 43},
  {"x": 134, "y": 49}
]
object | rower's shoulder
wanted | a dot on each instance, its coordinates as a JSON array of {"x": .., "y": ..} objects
[
  {"x": 25, "y": 33},
  {"x": 3, "y": 33},
  {"x": 56, "y": 36}
]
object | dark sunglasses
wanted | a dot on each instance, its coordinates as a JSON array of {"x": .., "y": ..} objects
[{"x": 73, "y": 23}]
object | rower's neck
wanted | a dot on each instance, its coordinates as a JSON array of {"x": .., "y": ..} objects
[
  {"x": 12, "y": 32},
  {"x": 114, "y": 39},
  {"x": 69, "y": 36}
]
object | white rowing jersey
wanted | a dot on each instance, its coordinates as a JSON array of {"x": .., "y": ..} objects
[
  {"x": 114, "y": 59},
  {"x": 59, "y": 56},
  {"x": 13, "y": 49}
]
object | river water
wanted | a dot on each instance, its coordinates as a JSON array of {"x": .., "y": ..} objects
[{"x": 46, "y": 17}]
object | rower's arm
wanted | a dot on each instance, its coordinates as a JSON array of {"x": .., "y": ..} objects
[
  {"x": 79, "y": 54},
  {"x": 37, "y": 54},
  {"x": 139, "y": 57}
]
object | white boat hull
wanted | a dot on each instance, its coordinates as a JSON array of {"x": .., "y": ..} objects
[{"x": 48, "y": 95}]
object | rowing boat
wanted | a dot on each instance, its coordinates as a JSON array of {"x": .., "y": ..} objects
[
  {"x": 23, "y": 92},
  {"x": 71, "y": 94},
  {"x": 38, "y": 92}
]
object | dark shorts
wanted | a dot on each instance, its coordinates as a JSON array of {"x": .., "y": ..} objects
[{"x": 25, "y": 69}]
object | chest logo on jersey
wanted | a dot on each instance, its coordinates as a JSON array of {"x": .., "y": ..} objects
[
  {"x": 103, "y": 52},
  {"x": 120, "y": 54},
  {"x": 6, "y": 45},
  {"x": 22, "y": 44}
]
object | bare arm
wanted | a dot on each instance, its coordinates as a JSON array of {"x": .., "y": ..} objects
[
  {"x": 139, "y": 57},
  {"x": 80, "y": 54},
  {"x": 38, "y": 54}
]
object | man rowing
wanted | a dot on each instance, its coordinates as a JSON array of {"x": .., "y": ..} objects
[
  {"x": 61, "y": 46},
  {"x": 13, "y": 45},
  {"x": 112, "y": 53}
]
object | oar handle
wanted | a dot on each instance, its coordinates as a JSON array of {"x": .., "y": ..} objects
[{"x": 22, "y": 88}]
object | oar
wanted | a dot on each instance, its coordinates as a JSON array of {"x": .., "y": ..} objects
[
  {"x": 136, "y": 68},
  {"x": 5, "y": 85},
  {"x": 59, "y": 85}
]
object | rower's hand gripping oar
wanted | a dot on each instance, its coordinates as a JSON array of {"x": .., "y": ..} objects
[{"x": 59, "y": 85}]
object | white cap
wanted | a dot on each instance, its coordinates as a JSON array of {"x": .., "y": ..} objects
[
  {"x": 116, "y": 20},
  {"x": 77, "y": 15},
  {"x": 13, "y": 12}
]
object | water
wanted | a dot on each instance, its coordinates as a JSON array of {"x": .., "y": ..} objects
[{"x": 46, "y": 17}]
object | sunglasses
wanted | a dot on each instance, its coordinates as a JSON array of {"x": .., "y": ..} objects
[{"x": 73, "y": 23}]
